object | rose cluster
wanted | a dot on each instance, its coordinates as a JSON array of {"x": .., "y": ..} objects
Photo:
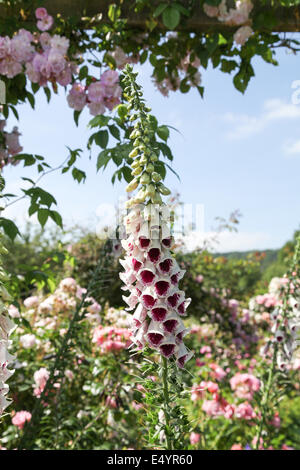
[
  {"x": 237, "y": 16},
  {"x": 151, "y": 276},
  {"x": 99, "y": 95}
]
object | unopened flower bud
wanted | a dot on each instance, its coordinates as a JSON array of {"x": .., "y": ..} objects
[
  {"x": 163, "y": 189},
  {"x": 133, "y": 153},
  {"x": 145, "y": 178},
  {"x": 156, "y": 177},
  {"x": 137, "y": 171},
  {"x": 132, "y": 185}
]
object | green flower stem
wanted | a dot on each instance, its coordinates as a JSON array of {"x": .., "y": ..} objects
[
  {"x": 166, "y": 400},
  {"x": 265, "y": 399}
]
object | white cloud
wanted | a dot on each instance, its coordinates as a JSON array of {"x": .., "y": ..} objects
[
  {"x": 244, "y": 125},
  {"x": 228, "y": 241},
  {"x": 291, "y": 148}
]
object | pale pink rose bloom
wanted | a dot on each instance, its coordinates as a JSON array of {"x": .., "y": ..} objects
[
  {"x": 68, "y": 285},
  {"x": 20, "y": 418},
  {"x": 109, "y": 78},
  {"x": 40, "y": 377},
  {"x": 45, "y": 41},
  {"x": 244, "y": 385},
  {"x": 276, "y": 420},
  {"x": 65, "y": 77},
  {"x": 210, "y": 11},
  {"x": 111, "y": 402},
  {"x": 120, "y": 57},
  {"x": 77, "y": 97},
  {"x": 245, "y": 411},
  {"x": 96, "y": 108},
  {"x": 96, "y": 92},
  {"x": 41, "y": 13},
  {"x": 4, "y": 46},
  {"x": 32, "y": 73},
  {"x": 28, "y": 341},
  {"x": 46, "y": 23},
  {"x": 56, "y": 61},
  {"x": 236, "y": 447},
  {"x": 13, "y": 312},
  {"x": 69, "y": 374},
  {"x": 212, "y": 407},
  {"x": 10, "y": 67},
  {"x": 194, "y": 438},
  {"x": 31, "y": 302},
  {"x": 60, "y": 44}
]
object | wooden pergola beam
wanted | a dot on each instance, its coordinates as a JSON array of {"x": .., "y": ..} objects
[{"x": 289, "y": 18}]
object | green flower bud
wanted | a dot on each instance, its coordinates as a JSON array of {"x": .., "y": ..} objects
[
  {"x": 137, "y": 171},
  {"x": 141, "y": 196},
  {"x": 150, "y": 168},
  {"x": 133, "y": 153},
  {"x": 156, "y": 177},
  {"x": 163, "y": 189},
  {"x": 150, "y": 190},
  {"x": 145, "y": 178},
  {"x": 153, "y": 157},
  {"x": 156, "y": 199},
  {"x": 135, "y": 163},
  {"x": 132, "y": 185}
]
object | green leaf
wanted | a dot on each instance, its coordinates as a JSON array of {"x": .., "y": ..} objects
[
  {"x": 165, "y": 150},
  {"x": 76, "y": 115},
  {"x": 113, "y": 12},
  {"x": 78, "y": 175},
  {"x": 9, "y": 227},
  {"x": 127, "y": 173},
  {"x": 43, "y": 215},
  {"x": 143, "y": 57},
  {"x": 171, "y": 17},
  {"x": 103, "y": 159},
  {"x": 31, "y": 99},
  {"x": 56, "y": 217},
  {"x": 114, "y": 131},
  {"x": 158, "y": 11},
  {"x": 47, "y": 93},
  {"x": 228, "y": 65},
  {"x": 160, "y": 168},
  {"x": 99, "y": 121},
  {"x": 101, "y": 139},
  {"x": 163, "y": 132}
]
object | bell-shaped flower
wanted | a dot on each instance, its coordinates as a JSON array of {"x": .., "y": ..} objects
[
  {"x": 175, "y": 297},
  {"x": 155, "y": 334},
  {"x": 139, "y": 315},
  {"x": 176, "y": 276},
  {"x": 167, "y": 346},
  {"x": 147, "y": 274},
  {"x": 144, "y": 236},
  {"x": 165, "y": 265},
  {"x": 171, "y": 322},
  {"x": 154, "y": 251},
  {"x": 182, "y": 355},
  {"x": 159, "y": 312},
  {"x": 181, "y": 309},
  {"x": 162, "y": 286},
  {"x": 148, "y": 298}
]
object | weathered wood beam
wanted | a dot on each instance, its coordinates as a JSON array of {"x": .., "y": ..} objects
[{"x": 289, "y": 18}]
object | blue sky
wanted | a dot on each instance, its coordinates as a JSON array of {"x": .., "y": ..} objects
[{"x": 234, "y": 151}]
